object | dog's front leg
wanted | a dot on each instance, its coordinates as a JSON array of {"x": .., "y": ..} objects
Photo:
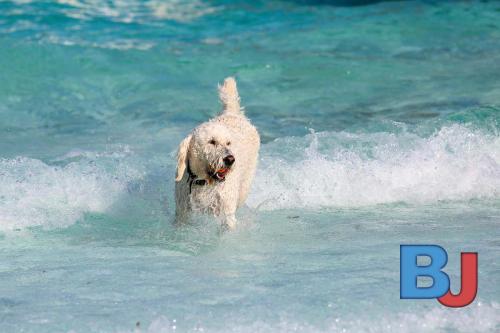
[
  {"x": 228, "y": 213},
  {"x": 229, "y": 222}
]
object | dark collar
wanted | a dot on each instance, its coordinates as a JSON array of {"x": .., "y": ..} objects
[{"x": 194, "y": 178}]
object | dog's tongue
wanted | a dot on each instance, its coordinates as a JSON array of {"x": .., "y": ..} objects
[{"x": 221, "y": 173}]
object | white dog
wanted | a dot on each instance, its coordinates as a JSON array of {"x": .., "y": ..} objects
[{"x": 216, "y": 162}]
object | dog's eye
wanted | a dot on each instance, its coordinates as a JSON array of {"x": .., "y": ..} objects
[
  {"x": 212, "y": 142},
  {"x": 229, "y": 143}
]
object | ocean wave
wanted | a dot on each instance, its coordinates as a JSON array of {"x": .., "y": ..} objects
[
  {"x": 478, "y": 317},
  {"x": 84, "y": 20},
  {"x": 129, "y": 11},
  {"x": 328, "y": 169},
  {"x": 34, "y": 193},
  {"x": 341, "y": 169}
]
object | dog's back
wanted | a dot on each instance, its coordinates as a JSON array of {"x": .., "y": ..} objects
[{"x": 233, "y": 117}]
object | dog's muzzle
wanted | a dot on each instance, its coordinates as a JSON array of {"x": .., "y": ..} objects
[{"x": 220, "y": 174}]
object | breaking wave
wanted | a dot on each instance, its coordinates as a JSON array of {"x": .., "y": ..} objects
[
  {"x": 340, "y": 169},
  {"x": 320, "y": 170},
  {"x": 34, "y": 193}
]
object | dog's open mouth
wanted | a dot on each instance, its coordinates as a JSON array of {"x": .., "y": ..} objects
[{"x": 220, "y": 174}]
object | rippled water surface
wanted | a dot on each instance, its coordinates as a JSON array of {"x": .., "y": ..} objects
[{"x": 380, "y": 126}]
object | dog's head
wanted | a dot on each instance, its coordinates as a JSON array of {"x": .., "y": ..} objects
[{"x": 208, "y": 153}]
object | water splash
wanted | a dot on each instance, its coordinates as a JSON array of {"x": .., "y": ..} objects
[
  {"x": 340, "y": 169},
  {"x": 34, "y": 193}
]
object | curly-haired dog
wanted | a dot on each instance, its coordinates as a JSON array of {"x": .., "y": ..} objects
[{"x": 216, "y": 162}]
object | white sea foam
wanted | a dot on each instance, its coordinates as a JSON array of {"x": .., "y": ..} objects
[
  {"x": 348, "y": 170},
  {"x": 120, "y": 11},
  {"x": 127, "y": 11},
  {"x": 33, "y": 193},
  {"x": 117, "y": 44},
  {"x": 475, "y": 318},
  {"x": 335, "y": 169}
]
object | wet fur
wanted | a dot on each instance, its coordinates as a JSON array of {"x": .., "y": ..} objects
[{"x": 233, "y": 134}]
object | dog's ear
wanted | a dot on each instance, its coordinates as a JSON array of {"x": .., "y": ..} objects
[{"x": 182, "y": 157}]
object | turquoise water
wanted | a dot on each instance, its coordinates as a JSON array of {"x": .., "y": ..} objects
[{"x": 380, "y": 126}]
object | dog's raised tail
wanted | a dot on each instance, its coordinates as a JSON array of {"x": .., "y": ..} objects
[{"x": 229, "y": 97}]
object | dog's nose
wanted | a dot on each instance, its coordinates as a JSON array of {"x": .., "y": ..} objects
[{"x": 229, "y": 160}]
